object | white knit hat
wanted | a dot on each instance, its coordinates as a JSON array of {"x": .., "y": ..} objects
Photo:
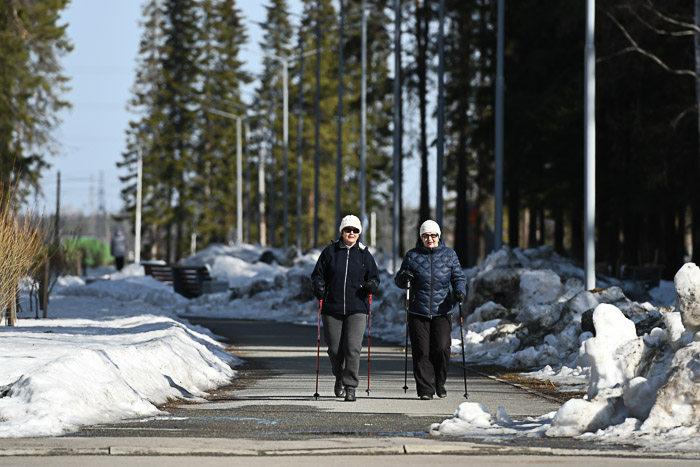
[
  {"x": 430, "y": 226},
  {"x": 351, "y": 221}
]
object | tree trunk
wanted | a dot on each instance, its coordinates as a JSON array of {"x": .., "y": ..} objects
[
  {"x": 559, "y": 231},
  {"x": 513, "y": 211},
  {"x": 462, "y": 214}
]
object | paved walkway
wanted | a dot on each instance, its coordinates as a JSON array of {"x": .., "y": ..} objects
[{"x": 269, "y": 416}]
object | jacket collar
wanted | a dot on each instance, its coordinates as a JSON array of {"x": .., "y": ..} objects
[
  {"x": 340, "y": 244},
  {"x": 424, "y": 249}
]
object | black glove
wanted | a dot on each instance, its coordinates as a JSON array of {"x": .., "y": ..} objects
[
  {"x": 320, "y": 292},
  {"x": 459, "y": 296},
  {"x": 371, "y": 288},
  {"x": 406, "y": 276}
]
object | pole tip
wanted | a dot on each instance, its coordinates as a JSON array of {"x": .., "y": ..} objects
[
  {"x": 316, "y": 396},
  {"x": 466, "y": 395}
]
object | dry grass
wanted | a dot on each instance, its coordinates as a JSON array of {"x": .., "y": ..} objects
[
  {"x": 540, "y": 386},
  {"x": 20, "y": 244}
]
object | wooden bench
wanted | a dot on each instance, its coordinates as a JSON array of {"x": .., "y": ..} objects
[
  {"x": 161, "y": 272},
  {"x": 193, "y": 281}
]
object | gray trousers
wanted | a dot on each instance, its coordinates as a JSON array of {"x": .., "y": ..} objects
[{"x": 343, "y": 335}]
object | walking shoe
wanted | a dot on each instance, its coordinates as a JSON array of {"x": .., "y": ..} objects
[
  {"x": 338, "y": 388},
  {"x": 349, "y": 394},
  {"x": 441, "y": 392},
  {"x": 426, "y": 397}
]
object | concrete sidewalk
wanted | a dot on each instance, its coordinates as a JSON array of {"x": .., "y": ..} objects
[{"x": 269, "y": 416}]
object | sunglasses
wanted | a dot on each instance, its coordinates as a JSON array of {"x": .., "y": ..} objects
[
  {"x": 427, "y": 235},
  {"x": 351, "y": 230}
]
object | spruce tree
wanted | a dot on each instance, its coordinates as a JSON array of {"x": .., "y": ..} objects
[{"x": 32, "y": 40}]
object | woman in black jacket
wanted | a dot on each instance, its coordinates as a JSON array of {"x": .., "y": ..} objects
[
  {"x": 344, "y": 277},
  {"x": 431, "y": 269}
]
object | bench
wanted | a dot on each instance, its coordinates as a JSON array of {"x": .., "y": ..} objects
[
  {"x": 193, "y": 281},
  {"x": 161, "y": 272},
  {"x": 650, "y": 276}
]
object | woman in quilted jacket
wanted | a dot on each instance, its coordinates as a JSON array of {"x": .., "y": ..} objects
[{"x": 435, "y": 277}]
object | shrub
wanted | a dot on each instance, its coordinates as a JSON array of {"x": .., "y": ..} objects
[
  {"x": 20, "y": 244},
  {"x": 92, "y": 251}
]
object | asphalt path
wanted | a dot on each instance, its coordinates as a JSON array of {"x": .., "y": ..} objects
[{"x": 270, "y": 410}]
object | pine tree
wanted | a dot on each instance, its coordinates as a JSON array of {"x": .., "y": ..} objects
[{"x": 31, "y": 84}]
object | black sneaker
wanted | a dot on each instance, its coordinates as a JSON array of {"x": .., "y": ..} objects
[
  {"x": 338, "y": 388},
  {"x": 426, "y": 397},
  {"x": 349, "y": 394},
  {"x": 441, "y": 392}
]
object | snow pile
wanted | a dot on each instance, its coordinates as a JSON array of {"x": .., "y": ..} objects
[
  {"x": 642, "y": 385},
  {"x": 132, "y": 363}
]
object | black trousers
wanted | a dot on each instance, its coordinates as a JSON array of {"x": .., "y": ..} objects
[{"x": 430, "y": 348}]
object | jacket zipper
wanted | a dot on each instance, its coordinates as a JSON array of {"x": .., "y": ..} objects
[
  {"x": 430, "y": 310},
  {"x": 345, "y": 282}
]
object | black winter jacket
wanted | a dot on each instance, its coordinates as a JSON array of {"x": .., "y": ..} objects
[
  {"x": 344, "y": 272},
  {"x": 434, "y": 271}
]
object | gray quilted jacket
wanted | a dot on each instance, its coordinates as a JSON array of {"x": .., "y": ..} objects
[{"x": 434, "y": 270}]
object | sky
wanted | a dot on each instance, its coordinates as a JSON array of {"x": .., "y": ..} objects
[
  {"x": 641, "y": 390},
  {"x": 105, "y": 35}
]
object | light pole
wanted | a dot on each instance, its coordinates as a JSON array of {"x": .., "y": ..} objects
[
  {"x": 589, "y": 145},
  {"x": 139, "y": 191},
  {"x": 498, "y": 214},
  {"x": 239, "y": 171},
  {"x": 363, "y": 116},
  {"x": 441, "y": 113},
  {"x": 397, "y": 123}
]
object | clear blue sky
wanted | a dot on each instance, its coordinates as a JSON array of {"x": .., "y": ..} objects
[{"x": 105, "y": 35}]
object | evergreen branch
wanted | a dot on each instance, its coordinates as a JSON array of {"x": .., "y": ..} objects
[{"x": 636, "y": 48}]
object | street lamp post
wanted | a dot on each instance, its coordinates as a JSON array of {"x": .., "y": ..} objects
[{"x": 239, "y": 171}]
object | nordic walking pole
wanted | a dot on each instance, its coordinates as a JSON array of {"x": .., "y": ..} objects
[
  {"x": 369, "y": 337},
  {"x": 318, "y": 344},
  {"x": 464, "y": 365},
  {"x": 405, "y": 348}
]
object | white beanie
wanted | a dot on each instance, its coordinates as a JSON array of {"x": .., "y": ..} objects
[
  {"x": 351, "y": 221},
  {"x": 430, "y": 226}
]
